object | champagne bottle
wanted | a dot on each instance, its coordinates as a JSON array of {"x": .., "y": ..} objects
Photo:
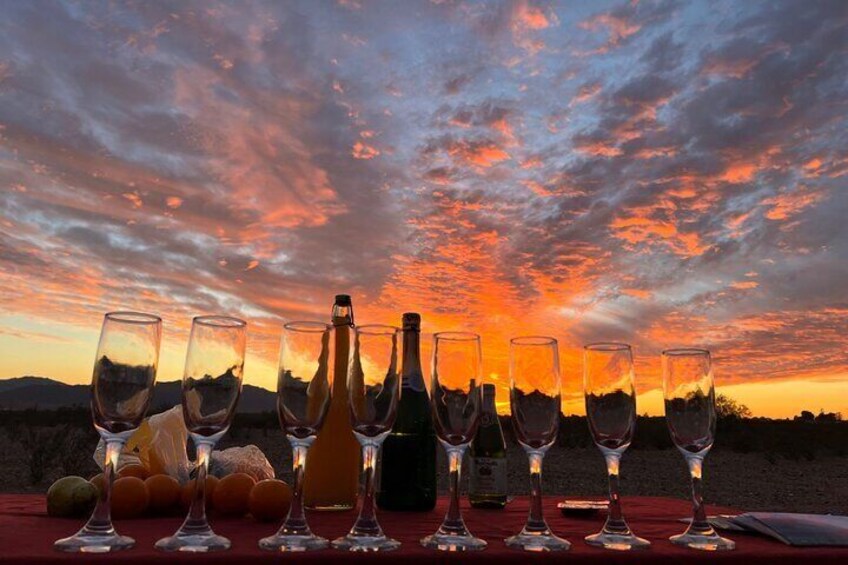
[
  {"x": 487, "y": 487},
  {"x": 331, "y": 481},
  {"x": 408, "y": 469}
]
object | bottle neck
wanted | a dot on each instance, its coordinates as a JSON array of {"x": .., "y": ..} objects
[
  {"x": 411, "y": 365},
  {"x": 489, "y": 404},
  {"x": 342, "y": 315},
  {"x": 489, "y": 414}
]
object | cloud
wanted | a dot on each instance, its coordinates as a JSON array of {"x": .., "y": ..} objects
[{"x": 455, "y": 159}]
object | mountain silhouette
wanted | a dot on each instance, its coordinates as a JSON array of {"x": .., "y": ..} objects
[{"x": 23, "y": 393}]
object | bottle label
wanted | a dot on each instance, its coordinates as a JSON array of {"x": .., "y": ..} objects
[{"x": 488, "y": 475}]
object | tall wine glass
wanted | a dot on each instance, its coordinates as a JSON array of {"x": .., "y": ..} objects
[
  {"x": 689, "y": 394},
  {"x": 121, "y": 390},
  {"x": 611, "y": 411},
  {"x": 211, "y": 389},
  {"x": 303, "y": 398},
  {"x": 455, "y": 397},
  {"x": 534, "y": 386},
  {"x": 373, "y": 383}
]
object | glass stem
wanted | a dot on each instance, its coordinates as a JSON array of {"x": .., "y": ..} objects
[
  {"x": 295, "y": 524},
  {"x": 536, "y": 521},
  {"x": 700, "y": 525},
  {"x": 101, "y": 519},
  {"x": 196, "y": 523},
  {"x": 453, "y": 523},
  {"x": 366, "y": 524},
  {"x": 615, "y": 523}
]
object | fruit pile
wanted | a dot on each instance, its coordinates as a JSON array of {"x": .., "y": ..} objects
[{"x": 137, "y": 493}]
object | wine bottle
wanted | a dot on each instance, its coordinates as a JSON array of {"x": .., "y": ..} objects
[
  {"x": 331, "y": 481},
  {"x": 487, "y": 487},
  {"x": 408, "y": 469}
]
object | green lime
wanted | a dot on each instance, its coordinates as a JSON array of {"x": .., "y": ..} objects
[{"x": 71, "y": 497}]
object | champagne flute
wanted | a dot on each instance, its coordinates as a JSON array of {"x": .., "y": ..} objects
[
  {"x": 534, "y": 385},
  {"x": 611, "y": 412},
  {"x": 373, "y": 384},
  {"x": 303, "y": 398},
  {"x": 121, "y": 387},
  {"x": 211, "y": 388},
  {"x": 455, "y": 397},
  {"x": 689, "y": 393}
]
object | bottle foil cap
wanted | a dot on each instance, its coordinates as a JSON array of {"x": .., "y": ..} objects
[{"x": 411, "y": 321}]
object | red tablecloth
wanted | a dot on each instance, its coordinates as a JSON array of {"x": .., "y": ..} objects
[{"x": 27, "y": 535}]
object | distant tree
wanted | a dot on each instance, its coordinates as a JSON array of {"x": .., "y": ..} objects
[
  {"x": 806, "y": 416},
  {"x": 828, "y": 417},
  {"x": 726, "y": 407}
]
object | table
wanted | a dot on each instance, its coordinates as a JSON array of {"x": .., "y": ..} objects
[{"x": 27, "y": 534}]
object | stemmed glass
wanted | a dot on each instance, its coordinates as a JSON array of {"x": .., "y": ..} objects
[
  {"x": 373, "y": 384},
  {"x": 534, "y": 385},
  {"x": 455, "y": 396},
  {"x": 689, "y": 394},
  {"x": 211, "y": 388},
  {"x": 611, "y": 411},
  {"x": 121, "y": 387},
  {"x": 303, "y": 398}
]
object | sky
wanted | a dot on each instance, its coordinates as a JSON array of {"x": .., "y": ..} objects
[{"x": 660, "y": 173}]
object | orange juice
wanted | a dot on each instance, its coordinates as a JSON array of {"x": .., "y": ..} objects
[{"x": 332, "y": 463}]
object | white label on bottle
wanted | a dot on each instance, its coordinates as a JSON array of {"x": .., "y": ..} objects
[{"x": 488, "y": 475}]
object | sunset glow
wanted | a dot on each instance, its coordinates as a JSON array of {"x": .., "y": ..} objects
[{"x": 665, "y": 174}]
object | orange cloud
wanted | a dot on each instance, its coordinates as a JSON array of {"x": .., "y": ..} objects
[
  {"x": 598, "y": 149},
  {"x": 642, "y": 227},
  {"x": 618, "y": 29},
  {"x": 478, "y": 153},
  {"x": 586, "y": 93},
  {"x": 788, "y": 204},
  {"x": 744, "y": 285},
  {"x": 362, "y": 151},
  {"x": 133, "y": 198}
]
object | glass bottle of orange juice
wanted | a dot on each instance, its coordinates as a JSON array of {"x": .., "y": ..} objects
[{"x": 332, "y": 463}]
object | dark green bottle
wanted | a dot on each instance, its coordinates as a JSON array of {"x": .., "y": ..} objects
[
  {"x": 408, "y": 468},
  {"x": 487, "y": 488}
]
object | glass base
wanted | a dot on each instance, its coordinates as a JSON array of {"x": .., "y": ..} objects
[
  {"x": 193, "y": 543},
  {"x": 286, "y": 543},
  {"x": 709, "y": 542},
  {"x": 448, "y": 542},
  {"x": 542, "y": 541},
  {"x": 366, "y": 543},
  {"x": 89, "y": 542},
  {"x": 617, "y": 542}
]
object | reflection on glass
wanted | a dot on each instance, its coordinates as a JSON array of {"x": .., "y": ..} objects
[
  {"x": 373, "y": 383},
  {"x": 211, "y": 389},
  {"x": 303, "y": 398},
  {"x": 690, "y": 413},
  {"x": 121, "y": 390},
  {"x": 535, "y": 400},
  {"x": 611, "y": 411},
  {"x": 455, "y": 396}
]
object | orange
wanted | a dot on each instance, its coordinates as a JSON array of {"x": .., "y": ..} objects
[
  {"x": 99, "y": 481},
  {"x": 164, "y": 492},
  {"x": 129, "y": 497},
  {"x": 232, "y": 494},
  {"x": 133, "y": 470},
  {"x": 270, "y": 500},
  {"x": 188, "y": 492}
]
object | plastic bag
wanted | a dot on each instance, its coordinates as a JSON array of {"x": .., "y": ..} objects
[
  {"x": 248, "y": 459},
  {"x": 159, "y": 444}
]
